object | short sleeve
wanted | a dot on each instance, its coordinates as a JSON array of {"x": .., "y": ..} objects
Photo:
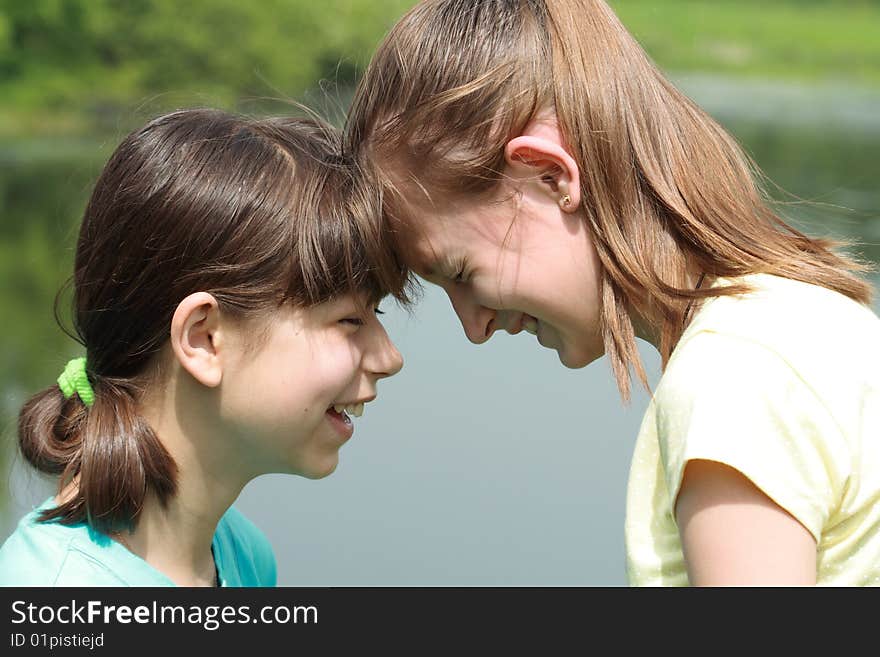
[{"x": 734, "y": 401}]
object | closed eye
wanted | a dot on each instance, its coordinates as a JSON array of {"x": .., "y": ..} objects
[
  {"x": 357, "y": 320},
  {"x": 461, "y": 276}
]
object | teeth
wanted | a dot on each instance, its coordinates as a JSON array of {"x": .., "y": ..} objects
[
  {"x": 355, "y": 409},
  {"x": 530, "y": 326},
  {"x": 338, "y": 408}
]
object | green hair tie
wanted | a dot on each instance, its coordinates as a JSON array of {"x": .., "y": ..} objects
[{"x": 75, "y": 380}]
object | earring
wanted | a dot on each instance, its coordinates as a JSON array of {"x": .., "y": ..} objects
[{"x": 562, "y": 186}]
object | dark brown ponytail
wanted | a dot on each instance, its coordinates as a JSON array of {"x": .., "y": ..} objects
[{"x": 109, "y": 449}]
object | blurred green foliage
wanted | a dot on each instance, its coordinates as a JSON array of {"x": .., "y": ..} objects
[
  {"x": 90, "y": 66},
  {"x": 75, "y": 66},
  {"x": 808, "y": 40}
]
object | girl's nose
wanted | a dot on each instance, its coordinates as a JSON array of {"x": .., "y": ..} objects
[
  {"x": 384, "y": 359},
  {"x": 477, "y": 321}
]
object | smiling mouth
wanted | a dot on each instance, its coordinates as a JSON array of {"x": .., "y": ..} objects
[
  {"x": 342, "y": 416},
  {"x": 344, "y": 412}
]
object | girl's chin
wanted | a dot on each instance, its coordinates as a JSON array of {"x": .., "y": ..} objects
[
  {"x": 318, "y": 468},
  {"x": 319, "y": 473},
  {"x": 570, "y": 364},
  {"x": 575, "y": 361}
]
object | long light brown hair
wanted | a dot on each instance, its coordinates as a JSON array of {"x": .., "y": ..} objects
[
  {"x": 257, "y": 212},
  {"x": 665, "y": 189}
]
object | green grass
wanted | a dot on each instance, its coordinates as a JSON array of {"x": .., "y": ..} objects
[{"x": 816, "y": 40}]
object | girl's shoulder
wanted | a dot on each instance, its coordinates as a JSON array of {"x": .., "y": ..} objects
[
  {"x": 784, "y": 337},
  {"x": 53, "y": 554},
  {"x": 789, "y": 303},
  {"x": 798, "y": 321}
]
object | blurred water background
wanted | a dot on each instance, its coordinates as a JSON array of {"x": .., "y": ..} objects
[{"x": 476, "y": 466}]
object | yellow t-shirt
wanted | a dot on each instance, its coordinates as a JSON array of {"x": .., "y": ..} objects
[{"x": 782, "y": 384}]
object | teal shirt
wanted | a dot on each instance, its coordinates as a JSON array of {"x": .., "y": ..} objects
[{"x": 52, "y": 554}]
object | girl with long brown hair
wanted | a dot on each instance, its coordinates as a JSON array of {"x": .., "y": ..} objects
[
  {"x": 538, "y": 167},
  {"x": 226, "y": 299}
]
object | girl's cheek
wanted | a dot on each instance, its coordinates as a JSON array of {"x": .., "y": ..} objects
[
  {"x": 348, "y": 354},
  {"x": 494, "y": 295}
]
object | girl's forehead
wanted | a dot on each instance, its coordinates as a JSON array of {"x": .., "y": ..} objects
[
  {"x": 412, "y": 216},
  {"x": 432, "y": 241},
  {"x": 416, "y": 243},
  {"x": 432, "y": 230}
]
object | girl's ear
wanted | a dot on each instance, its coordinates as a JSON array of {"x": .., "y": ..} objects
[
  {"x": 196, "y": 338},
  {"x": 541, "y": 151}
]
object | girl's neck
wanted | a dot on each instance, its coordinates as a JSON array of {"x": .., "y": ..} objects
[
  {"x": 649, "y": 331},
  {"x": 176, "y": 539}
]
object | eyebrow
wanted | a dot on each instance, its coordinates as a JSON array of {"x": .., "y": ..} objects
[
  {"x": 440, "y": 267},
  {"x": 430, "y": 264},
  {"x": 429, "y": 274}
]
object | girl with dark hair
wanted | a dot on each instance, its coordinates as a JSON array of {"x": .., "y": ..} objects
[
  {"x": 539, "y": 168},
  {"x": 226, "y": 298}
]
